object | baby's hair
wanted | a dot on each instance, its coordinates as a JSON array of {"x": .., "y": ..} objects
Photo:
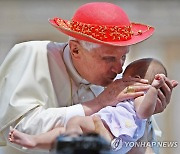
[{"x": 145, "y": 68}]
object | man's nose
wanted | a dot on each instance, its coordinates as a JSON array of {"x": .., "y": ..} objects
[{"x": 117, "y": 68}]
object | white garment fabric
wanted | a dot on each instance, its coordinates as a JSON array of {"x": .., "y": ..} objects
[
  {"x": 30, "y": 85},
  {"x": 123, "y": 123},
  {"x": 32, "y": 98}
]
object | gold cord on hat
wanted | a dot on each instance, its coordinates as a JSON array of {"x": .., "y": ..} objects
[{"x": 100, "y": 32}]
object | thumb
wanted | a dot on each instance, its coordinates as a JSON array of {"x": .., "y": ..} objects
[{"x": 174, "y": 83}]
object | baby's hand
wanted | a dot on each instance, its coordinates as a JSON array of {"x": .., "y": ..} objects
[{"x": 158, "y": 81}]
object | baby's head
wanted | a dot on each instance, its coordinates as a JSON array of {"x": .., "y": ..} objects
[{"x": 145, "y": 68}]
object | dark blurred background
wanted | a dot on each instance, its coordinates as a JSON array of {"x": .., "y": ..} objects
[{"x": 24, "y": 20}]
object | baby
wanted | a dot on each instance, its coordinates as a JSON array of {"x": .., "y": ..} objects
[{"x": 126, "y": 120}]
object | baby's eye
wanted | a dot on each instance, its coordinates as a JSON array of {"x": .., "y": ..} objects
[{"x": 137, "y": 76}]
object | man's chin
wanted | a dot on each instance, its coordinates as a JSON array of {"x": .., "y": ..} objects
[{"x": 107, "y": 82}]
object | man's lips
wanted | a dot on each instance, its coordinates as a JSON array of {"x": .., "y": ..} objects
[{"x": 112, "y": 77}]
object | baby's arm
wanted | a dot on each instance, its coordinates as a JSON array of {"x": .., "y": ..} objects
[{"x": 145, "y": 105}]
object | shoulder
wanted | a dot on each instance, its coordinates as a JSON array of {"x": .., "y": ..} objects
[
  {"x": 55, "y": 47},
  {"x": 32, "y": 44},
  {"x": 28, "y": 48},
  {"x": 25, "y": 52},
  {"x": 36, "y": 47}
]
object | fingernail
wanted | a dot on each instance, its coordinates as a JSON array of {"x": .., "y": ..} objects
[
  {"x": 146, "y": 80},
  {"x": 10, "y": 128}
]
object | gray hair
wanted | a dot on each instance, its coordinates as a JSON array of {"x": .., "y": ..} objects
[{"x": 87, "y": 45}]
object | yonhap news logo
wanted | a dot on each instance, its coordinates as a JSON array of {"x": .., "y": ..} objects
[{"x": 118, "y": 143}]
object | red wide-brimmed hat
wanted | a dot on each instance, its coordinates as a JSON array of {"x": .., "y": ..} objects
[{"x": 104, "y": 23}]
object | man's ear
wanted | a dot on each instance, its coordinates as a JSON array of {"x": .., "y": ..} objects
[{"x": 74, "y": 48}]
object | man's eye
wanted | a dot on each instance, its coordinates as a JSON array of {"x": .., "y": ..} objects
[
  {"x": 123, "y": 57},
  {"x": 109, "y": 59}
]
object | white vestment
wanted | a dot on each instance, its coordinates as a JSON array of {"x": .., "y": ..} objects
[
  {"x": 38, "y": 82},
  {"x": 39, "y": 90}
]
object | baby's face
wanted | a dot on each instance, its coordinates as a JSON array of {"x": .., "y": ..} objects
[
  {"x": 144, "y": 69},
  {"x": 131, "y": 75},
  {"x": 137, "y": 69}
]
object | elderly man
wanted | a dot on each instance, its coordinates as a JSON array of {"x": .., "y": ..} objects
[{"x": 43, "y": 84}]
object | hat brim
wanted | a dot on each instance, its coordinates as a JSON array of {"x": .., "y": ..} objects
[{"x": 136, "y": 38}]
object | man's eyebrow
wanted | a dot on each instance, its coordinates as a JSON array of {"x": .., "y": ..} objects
[{"x": 108, "y": 56}]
